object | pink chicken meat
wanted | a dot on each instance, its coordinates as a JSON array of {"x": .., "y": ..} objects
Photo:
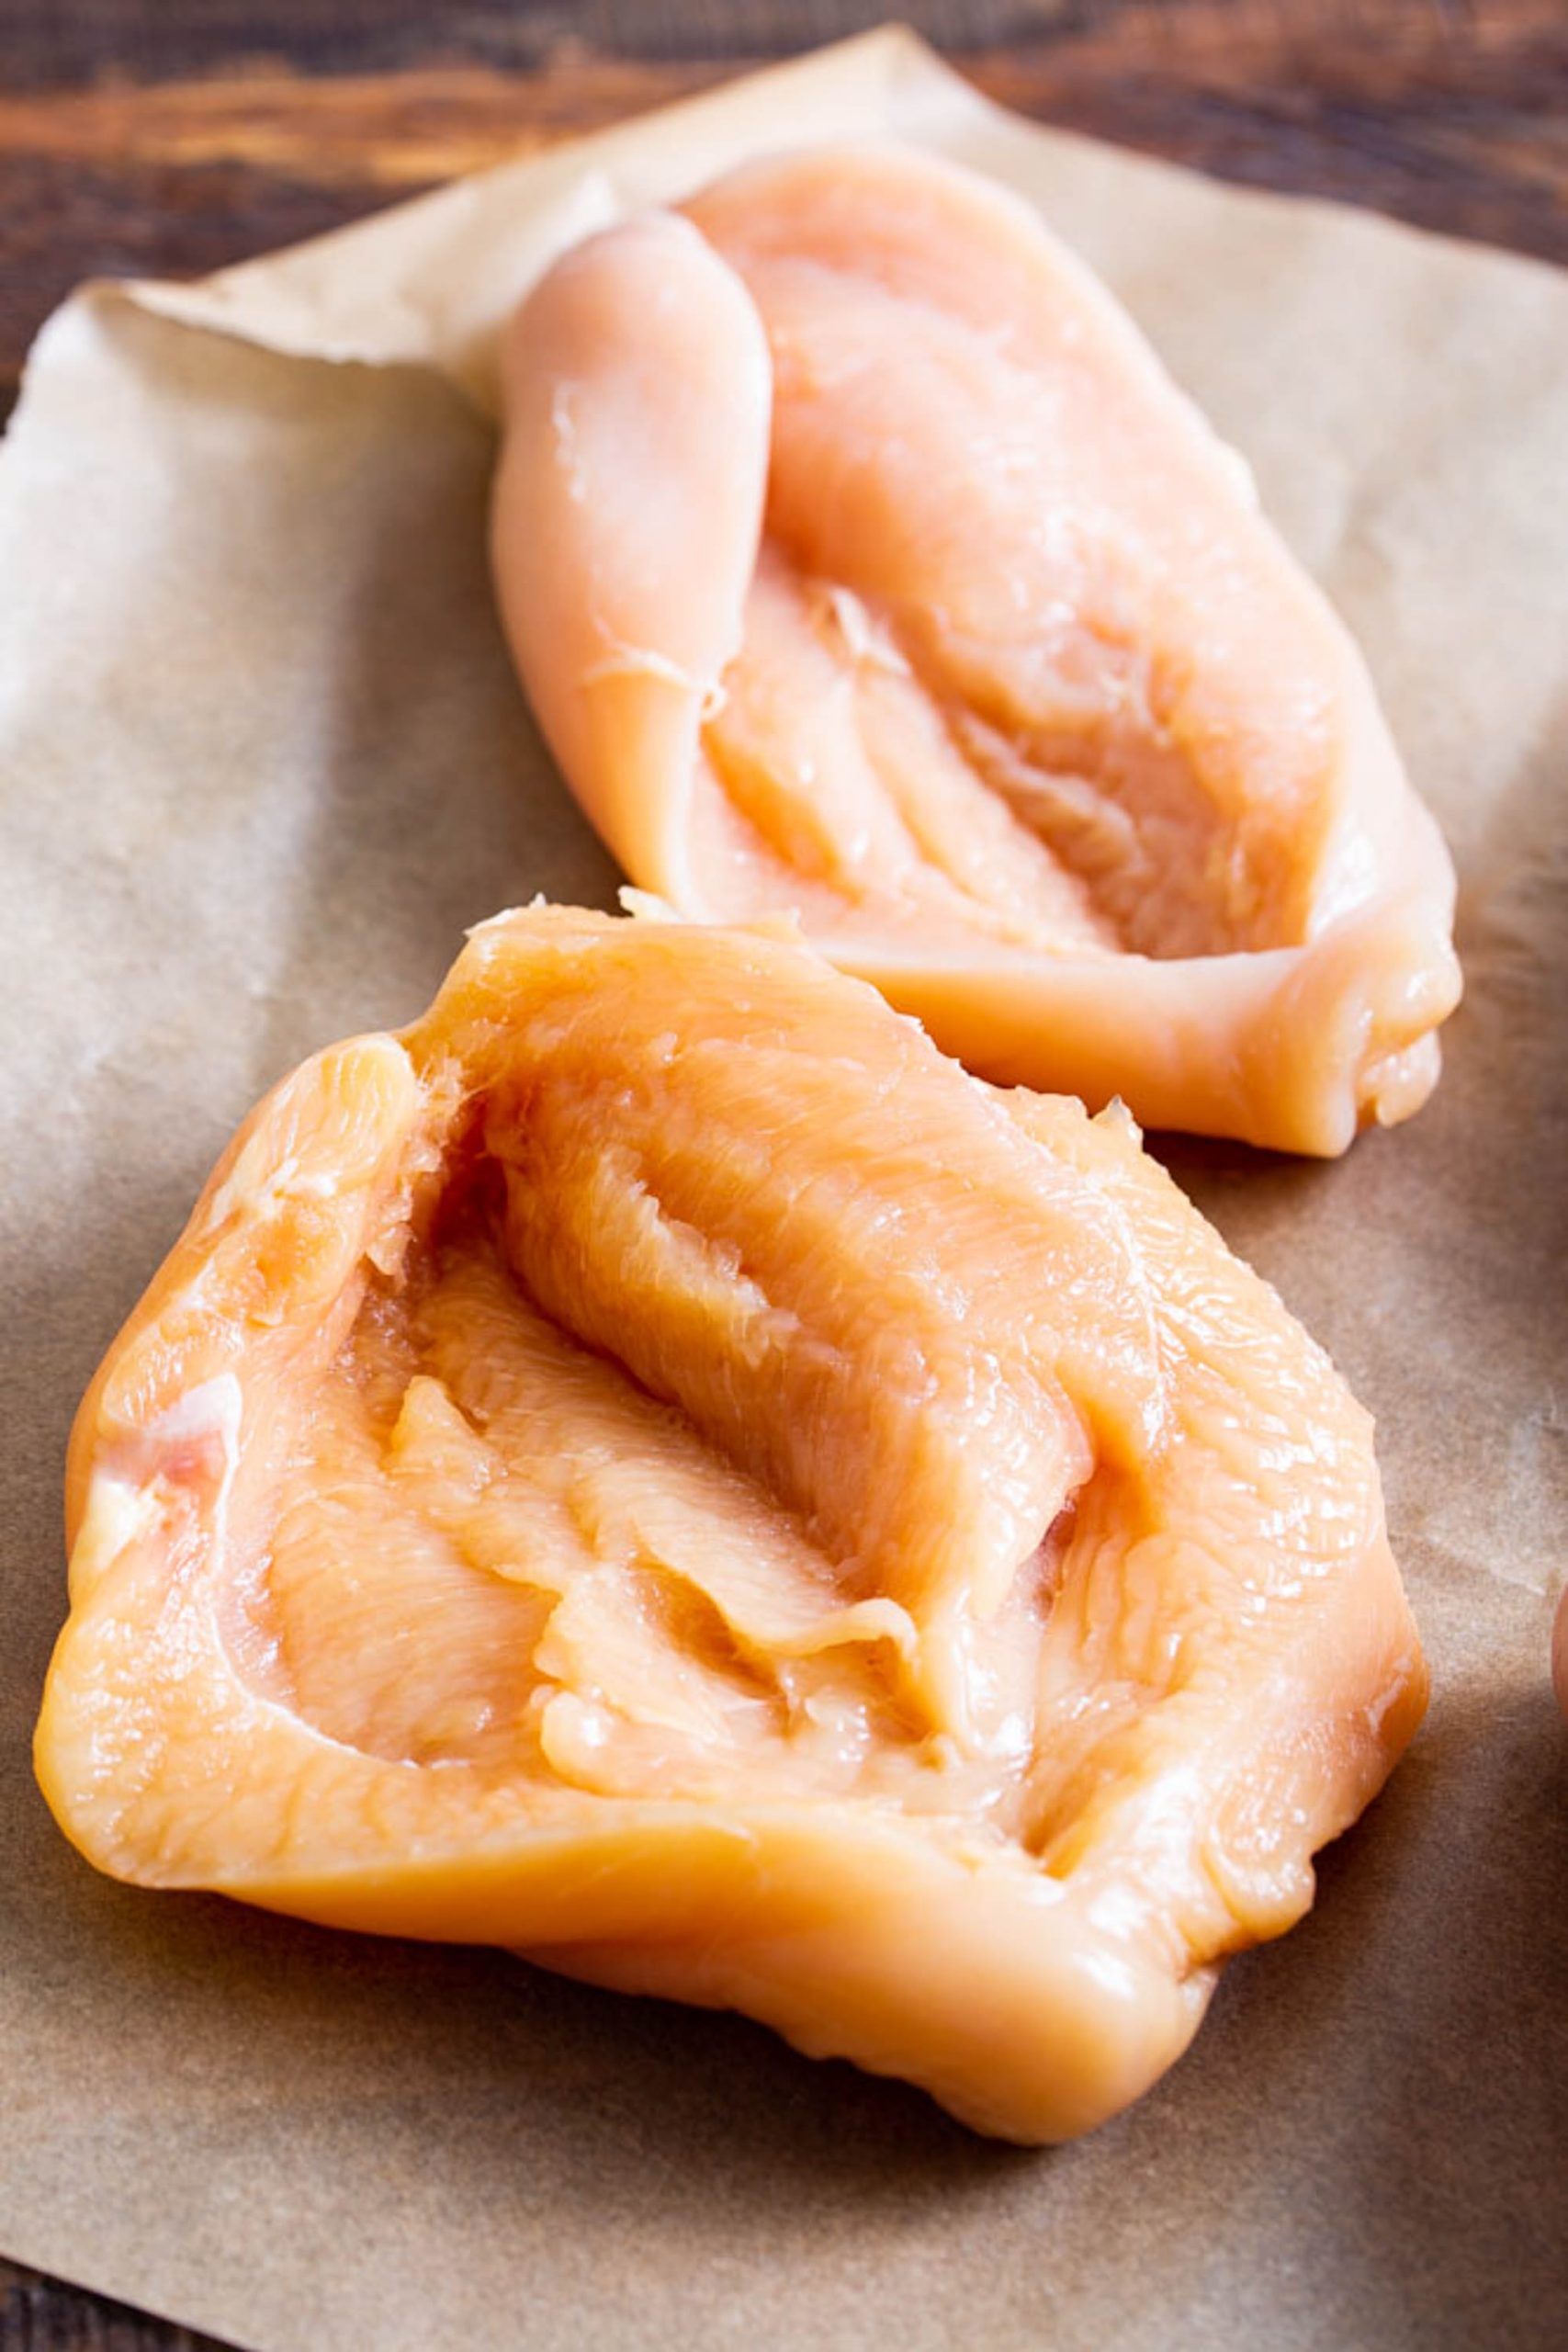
[
  {"x": 865, "y": 567},
  {"x": 657, "y": 1468}
]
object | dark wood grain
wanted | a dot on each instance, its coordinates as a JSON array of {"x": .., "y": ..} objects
[
  {"x": 169, "y": 137},
  {"x": 171, "y": 140},
  {"x": 39, "y": 2314}
]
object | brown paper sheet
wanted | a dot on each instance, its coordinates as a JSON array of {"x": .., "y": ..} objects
[{"x": 262, "y": 759}]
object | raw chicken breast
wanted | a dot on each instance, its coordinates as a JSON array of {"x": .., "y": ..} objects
[
  {"x": 659, "y": 1469},
  {"x": 862, "y": 565}
]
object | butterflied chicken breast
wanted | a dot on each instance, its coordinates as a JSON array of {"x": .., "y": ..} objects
[
  {"x": 657, "y": 1468},
  {"x": 864, "y": 566}
]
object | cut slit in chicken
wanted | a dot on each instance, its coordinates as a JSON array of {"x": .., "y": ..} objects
[
  {"x": 862, "y": 566},
  {"x": 658, "y": 1468}
]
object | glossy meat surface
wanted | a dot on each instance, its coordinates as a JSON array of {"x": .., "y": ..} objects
[
  {"x": 659, "y": 1469},
  {"x": 862, "y": 565}
]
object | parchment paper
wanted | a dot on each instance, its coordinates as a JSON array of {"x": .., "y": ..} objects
[{"x": 263, "y": 758}]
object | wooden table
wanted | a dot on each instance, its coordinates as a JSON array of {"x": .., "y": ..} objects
[{"x": 173, "y": 138}]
